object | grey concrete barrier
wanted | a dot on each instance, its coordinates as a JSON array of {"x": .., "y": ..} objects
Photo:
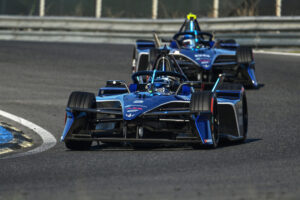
[{"x": 253, "y": 31}]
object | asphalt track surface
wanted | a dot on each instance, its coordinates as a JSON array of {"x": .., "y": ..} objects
[{"x": 36, "y": 80}]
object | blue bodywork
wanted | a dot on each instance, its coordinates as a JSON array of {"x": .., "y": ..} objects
[
  {"x": 205, "y": 57},
  {"x": 136, "y": 106},
  {"x": 201, "y": 57},
  {"x": 133, "y": 107}
]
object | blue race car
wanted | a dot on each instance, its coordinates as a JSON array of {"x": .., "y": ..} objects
[
  {"x": 159, "y": 107},
  {"x": 200, "y": 57}
]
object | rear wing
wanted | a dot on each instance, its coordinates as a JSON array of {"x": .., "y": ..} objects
[
  {"x": 215, "y": 86},
  {"x": 114, "y": 87},
  {"x": 145, "y": 44}
]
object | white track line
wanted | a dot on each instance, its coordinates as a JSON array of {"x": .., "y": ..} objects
[
  {"x": 49, "y": 140},
  {"x": 276, "y": 53}
]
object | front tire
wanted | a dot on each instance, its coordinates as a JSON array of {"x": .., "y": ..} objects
[
  {"x": 205, "y": 103},
  {"x": 81, "y": 100}
]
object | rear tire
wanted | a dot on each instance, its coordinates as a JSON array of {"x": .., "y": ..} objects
[
  {"x": 81, "y": 100},
  {"x": 244, "y": 55}
]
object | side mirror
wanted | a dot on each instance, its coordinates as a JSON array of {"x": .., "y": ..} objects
[
  {"x": 186, "y": 90},
  {"x": 132, "y": 87}
]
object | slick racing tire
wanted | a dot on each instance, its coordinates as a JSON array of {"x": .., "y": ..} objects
[
  {"x": 81, "y": 100},
  {"x": 205, "y": 103},
  {"x": 244, "y": 55}
]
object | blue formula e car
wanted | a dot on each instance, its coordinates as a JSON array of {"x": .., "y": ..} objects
[
  {"x": 200, "y": 57},
  {"x": 159, "y": 107}
]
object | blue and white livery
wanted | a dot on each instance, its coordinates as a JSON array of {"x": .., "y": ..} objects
[
  {"x": 200, "y": 57},
  {"x": 158, "y": 107}
]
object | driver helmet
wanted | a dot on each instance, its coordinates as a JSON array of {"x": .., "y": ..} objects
[
  {"x": 188, "y": 41},
  {"x": 160, "y": 85}
]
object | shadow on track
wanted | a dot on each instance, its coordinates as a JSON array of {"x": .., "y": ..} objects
[
  {"x": 150, "y": 147},
  {"x": 226, "y": 143},
  {"x": 260, "y": 85}
]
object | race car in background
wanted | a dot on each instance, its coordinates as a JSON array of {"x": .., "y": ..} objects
[
  {"x": 200, "y": 57},
  {"x": 160, "y": 106}
]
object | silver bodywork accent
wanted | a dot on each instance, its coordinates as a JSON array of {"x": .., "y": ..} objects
[
  {"x": 239, "y": 123},
  {"x": 174, "y": 120},
  {"x": 139, "y": 54}
]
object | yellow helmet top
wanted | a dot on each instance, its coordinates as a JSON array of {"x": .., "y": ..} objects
[{"x": 191, "y": 16}]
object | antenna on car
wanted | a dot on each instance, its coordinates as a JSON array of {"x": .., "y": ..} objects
[{"x": 218, "y": 82}]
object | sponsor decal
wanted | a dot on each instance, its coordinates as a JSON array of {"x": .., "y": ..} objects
[
  {"x": 130, "y": 111},
  {"x": 202, "y": 56},
  {"x": 205, "y": 61},
  {"x": 134, "y": 108},
  {"x": 207, "y": 140},
  {"x": 129, "y": 115},
  {"x": 138, "y": 101}
]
